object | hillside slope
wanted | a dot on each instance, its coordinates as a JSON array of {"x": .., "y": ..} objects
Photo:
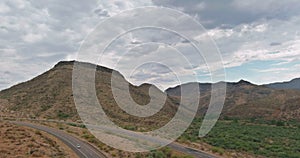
[
  {"x": 246, "y": 100},
  {"x": 50, "y": 96}
]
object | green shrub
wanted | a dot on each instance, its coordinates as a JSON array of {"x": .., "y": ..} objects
[
  {"x": 62, "y": 115},
  {"x": 217, "y": 150},
  {"x": 156, "y": 154},
  {"x": 269, "y": 138}
]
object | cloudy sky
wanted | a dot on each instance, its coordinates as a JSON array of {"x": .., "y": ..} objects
[{"x": 259, "y": 41}]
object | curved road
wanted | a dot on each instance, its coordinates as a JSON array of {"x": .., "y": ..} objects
[
  {"x": 85, "y": 151},
  {"x": 88, "y": 151},
  {"x": 175, "y": 146}
]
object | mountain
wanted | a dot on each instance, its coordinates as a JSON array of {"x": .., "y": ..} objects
[
  {"x": 49, "y": 96},
  {"x": 293, "y": 84},
  {"x": 247, "y": 100}
]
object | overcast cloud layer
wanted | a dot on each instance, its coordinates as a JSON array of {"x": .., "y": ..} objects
[{"x": 259, "y": 40}]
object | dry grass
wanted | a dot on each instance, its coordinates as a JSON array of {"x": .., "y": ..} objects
[{"x": 18, "y": 142}]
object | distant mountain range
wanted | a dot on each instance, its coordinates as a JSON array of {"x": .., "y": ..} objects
[
  {"x": 293, "y": 84},
  {"x": 50, "y": 96},
  {"x": 246, "y": 100}
]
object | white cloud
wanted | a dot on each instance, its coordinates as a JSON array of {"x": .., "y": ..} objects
[
  {"x": 42, "y": 33},
  {"x": 35, "y": 33},
  {"x": 273, "y": 70},
  {"x": 251, "y": 52},
  {"x": 20, "y": 4},
  {"x": 4, "y": 8},
  {"x": 219, "y": 33},
  {"x": 32, "y": 38}
]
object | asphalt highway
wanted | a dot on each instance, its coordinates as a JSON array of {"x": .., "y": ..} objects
[
  {"x": 85, "y": 151},
  {"x": 88, "y": 151}
]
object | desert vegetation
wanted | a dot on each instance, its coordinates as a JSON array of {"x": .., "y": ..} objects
[
  {"x": 268, "y": 138},
  {"x": 19, "y": 142}
]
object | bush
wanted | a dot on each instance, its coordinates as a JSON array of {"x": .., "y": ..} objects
[
  {"x": 217, "y": 150},
  {"x": 38, "y": 132},
  {"x": 62, "y": 115},
  {"x": 77, "y": 125},
  {"x": 132, "y": 128},
  {"x": 157, "y": 154},
  {"x": 280, "y": 123}
]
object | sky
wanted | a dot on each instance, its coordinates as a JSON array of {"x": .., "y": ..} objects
[{"x": 259, "y": 41}]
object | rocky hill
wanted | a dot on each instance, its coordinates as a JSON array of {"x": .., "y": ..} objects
[
  {"x": 49, "y": 96},
  {"x": 246, "y": 100}
]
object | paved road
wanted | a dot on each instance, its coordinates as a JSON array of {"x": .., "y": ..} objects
[
  {"x": 85, "y": 150},
  {"x": 175, "y": 146},
  {"x": 190, "y": 151},
  {"x": 88, "y": 151}
]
